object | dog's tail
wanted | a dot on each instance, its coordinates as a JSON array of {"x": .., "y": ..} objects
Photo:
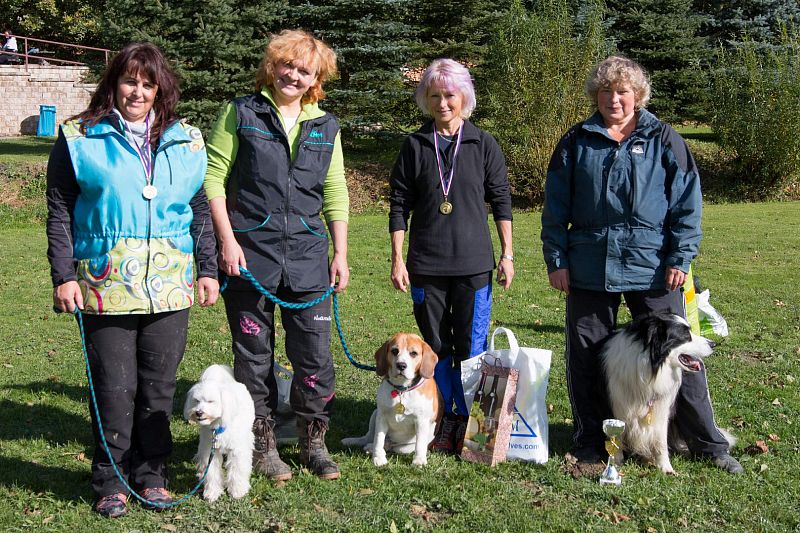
[{"x": 365, "y": 441}]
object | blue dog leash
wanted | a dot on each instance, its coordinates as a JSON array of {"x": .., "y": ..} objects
[
  {"x": 79, "y": 317},
  {"x": 289, "y": 305},
  {"x": 303, "y": 305}
]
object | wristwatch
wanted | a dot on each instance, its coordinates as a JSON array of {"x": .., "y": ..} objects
[{"x": 508, "y": 257}]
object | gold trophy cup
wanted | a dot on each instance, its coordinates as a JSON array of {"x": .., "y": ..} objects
[{"x": 613, "y": 429}]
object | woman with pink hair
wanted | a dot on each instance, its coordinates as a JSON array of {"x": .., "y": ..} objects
[{"x": 445, "y": 174}]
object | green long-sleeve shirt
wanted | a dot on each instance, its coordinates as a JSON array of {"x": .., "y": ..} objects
[{"x": 223, "y": 144}]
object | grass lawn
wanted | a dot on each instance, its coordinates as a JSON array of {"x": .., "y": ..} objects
[
  {"x": 25, "y": 149},
  {"x": 749, "y": 261}
]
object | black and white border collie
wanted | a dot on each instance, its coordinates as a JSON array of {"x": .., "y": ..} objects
[{"x": 643, "y": 364}]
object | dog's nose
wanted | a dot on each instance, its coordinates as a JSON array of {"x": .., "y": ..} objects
[
  {"x": 711, "y": 344},
  {"x": 401, "y": 366},
  {"x": 199, "y": 413}
]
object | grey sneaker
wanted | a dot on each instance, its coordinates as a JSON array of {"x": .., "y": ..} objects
[{"x": 727, "y": 463}]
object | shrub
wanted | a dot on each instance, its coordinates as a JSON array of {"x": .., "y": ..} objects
[
  {"x": 756, "y": 114},
  {"x": 532, "y": 89}
]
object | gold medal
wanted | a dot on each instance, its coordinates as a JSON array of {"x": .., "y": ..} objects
[
  {"x": 399, "y": 409},
  {"x": 445, "y": 208}
]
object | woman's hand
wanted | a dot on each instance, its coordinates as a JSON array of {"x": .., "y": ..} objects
[
  {"x": 231, "y": 257},
  {"x": 207, "y": 291},
  {"x": 68, "y": 296},
  {"x": 339, "y": 269},
  {"x": 559, "y": 279},
  {"x": 505, "y": 272},
  {"x": 675, "y": 278},
  {"x": 400, "y": 275}
]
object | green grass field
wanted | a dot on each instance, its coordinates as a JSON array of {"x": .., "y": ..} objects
[{"x": 749, "y": 260}]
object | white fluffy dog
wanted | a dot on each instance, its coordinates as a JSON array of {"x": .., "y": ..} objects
[
  {"x": 643, "y": 364},
  {"x": 222, "y": 406}
]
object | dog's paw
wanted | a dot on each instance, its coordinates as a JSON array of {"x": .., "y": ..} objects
[
  {"x": 238, "y": 490},
  {"x": 212, "y": 494},
  {"x": 379, "y": 460},
  {"x": 420, "y": 460}
]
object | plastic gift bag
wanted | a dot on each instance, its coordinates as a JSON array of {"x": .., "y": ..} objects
[
  {"x": 529, "y": 432},
  {"x": 710, "y": 319}
]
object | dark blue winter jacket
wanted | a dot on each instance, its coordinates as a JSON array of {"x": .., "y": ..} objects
[{"x": 617, "y": 214}]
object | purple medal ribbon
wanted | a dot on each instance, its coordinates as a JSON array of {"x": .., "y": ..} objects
[
  {"x": 446, "y": 188},
  {"x": 145, "y": 158}
]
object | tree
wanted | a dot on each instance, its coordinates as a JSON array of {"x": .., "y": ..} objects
[
  {"x": 662, "y": 35},
  {"x": 216, "y": 44},
  {"x": 373, "y": 41},
  {"x": 68, "y": 21},
  {"x": 532, "y": 85},
  {"x": 757, "y": 21}
]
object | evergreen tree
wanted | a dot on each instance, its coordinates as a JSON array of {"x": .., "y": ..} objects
[
  {"x": 374, "y": 41},
  {"x": 216, "y": 44},
  {"x": 662, "y": 35},
  {"x": 457, "y": 29},
  {"x": 757, "y": 21}
]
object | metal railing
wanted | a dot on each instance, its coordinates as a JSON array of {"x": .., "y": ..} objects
[{"x": 35, "y": 55}]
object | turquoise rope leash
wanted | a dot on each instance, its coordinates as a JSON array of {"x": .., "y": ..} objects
[
  {"x": 303, "y": 305},
  {"x": 289, "y": 305},
  {"x": 79, "y": 317}
]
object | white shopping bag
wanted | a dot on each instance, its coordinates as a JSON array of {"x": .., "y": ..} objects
[
  {"x": 710, "y": 319},
  {"x": 529, "y": 432}
]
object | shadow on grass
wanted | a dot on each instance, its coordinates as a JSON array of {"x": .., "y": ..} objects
[
  {"x": 62, "y": 483},
  {"x": 27, "y": 146}
]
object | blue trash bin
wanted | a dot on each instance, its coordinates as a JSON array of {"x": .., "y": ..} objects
[{"x": 47, "y": 121}]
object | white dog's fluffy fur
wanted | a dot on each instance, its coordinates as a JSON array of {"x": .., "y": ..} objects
[
  {"x": 643, "y": 365},
  {"x": 219, "y": 401},
  {"x": 401, "y": 362}
]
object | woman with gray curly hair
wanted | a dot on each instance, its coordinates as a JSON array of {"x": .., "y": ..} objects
[
  {"x": 445, "y": 174},
  {"x": 622, "y": 218}
]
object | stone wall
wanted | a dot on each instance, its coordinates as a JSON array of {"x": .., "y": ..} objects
[{"x": 23, "y": 91}]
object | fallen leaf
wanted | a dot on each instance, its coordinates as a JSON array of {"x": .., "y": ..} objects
[
  {"x": 29, "y": 404},
  {"x": 169, "y": 527},
  {"x": 550, "y": 408},
  {"x": 81, "y": 457},
  {"x": 366, "y": 492},
  {"x": 8, "y": 365},
  {"x": 774, "y": 438},
  {"x": 776, "y": 401},
  {"x": 763, "y": 468},
  {"x": 760, "y": 447},
  {"x": 789, "y": 377},
  {"x": 393, "y": 527},
  {"x": 48, "y": 519},
  {"x": 418, "y": 510},
  {"x": 619, "y": 517}
]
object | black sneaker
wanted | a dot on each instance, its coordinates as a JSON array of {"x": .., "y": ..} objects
[
  {"x": 112, "y": 506},
  {"x": 588, "y": 455}
]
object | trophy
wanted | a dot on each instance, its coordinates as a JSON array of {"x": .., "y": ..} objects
[{"x": 613, "y": 428}]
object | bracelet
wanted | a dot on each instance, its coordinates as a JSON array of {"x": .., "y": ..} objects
[{"x": 509, "y": 257}]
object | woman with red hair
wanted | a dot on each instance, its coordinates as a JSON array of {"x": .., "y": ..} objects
[{"x": 275, "y": 164}]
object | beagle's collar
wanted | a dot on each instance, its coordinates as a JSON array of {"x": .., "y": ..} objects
[{"x": 400, "y": 389}]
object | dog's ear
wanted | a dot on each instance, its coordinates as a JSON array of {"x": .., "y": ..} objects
[
  {"x": 429, "y": 360},
  {"x": 188, "y": 406},
  {"x": 228, "y": 404},
  {"x": 658, "y": 334},
  {"x": 381, "y": 358}
]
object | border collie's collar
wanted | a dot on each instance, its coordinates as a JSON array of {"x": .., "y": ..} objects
[{"x": 400, "y": 389}]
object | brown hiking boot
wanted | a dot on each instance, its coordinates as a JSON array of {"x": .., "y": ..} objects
[
  {"x": 446, "y": 431},
  {"x": 313, "y": 452},
  {"x": 266, "y": 460}
]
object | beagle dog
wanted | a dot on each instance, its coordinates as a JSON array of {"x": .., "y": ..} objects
[{"x": 408, "y": 401}]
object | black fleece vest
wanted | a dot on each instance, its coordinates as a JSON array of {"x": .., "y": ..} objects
[{"x": 274, "y": 203}]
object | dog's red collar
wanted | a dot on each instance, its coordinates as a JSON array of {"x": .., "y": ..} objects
[{"x": 399, "y": 389}]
